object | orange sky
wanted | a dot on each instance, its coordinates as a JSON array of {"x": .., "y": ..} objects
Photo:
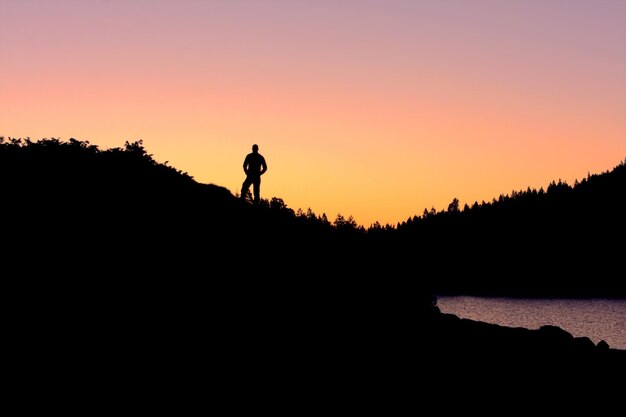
[{"x": 370, "y": 108}]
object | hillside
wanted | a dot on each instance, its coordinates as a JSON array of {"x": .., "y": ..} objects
[
  {"x": 119, "y": 225},
  {"x": 564, "y": 241},
  {"x": 131, "y": 258},
  {"x": 121, "y": 205}
]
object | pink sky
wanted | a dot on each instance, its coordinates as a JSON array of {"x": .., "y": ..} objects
[{"x": 370, "y": 108}]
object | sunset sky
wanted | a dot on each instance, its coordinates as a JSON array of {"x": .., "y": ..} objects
[{"x": 374, "y": 109}]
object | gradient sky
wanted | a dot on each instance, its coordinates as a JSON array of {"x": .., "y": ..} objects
[{"x": 374, "y": 109}]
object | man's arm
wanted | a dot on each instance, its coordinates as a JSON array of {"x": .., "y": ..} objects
[
  {"x": 263, "y": 166},
  {"x": 245, "y": 164}
]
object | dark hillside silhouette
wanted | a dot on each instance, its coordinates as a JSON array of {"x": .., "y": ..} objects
[
  {"x": 118, "y": 257},
  {"x": 564, "y": 241}
]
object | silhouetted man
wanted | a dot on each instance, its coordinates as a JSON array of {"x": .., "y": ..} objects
[{"x": 254, "y": 166}]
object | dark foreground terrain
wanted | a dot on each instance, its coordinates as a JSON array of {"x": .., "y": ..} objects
[{"x": 123, "y": 268}]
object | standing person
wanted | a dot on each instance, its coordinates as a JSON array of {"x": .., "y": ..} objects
[{"x": 254, "y": 166}]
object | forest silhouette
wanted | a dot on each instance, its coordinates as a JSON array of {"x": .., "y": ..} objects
[{"x": 110, "y": 246}]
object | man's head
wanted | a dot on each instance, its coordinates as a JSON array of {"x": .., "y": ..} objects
[{"x": 255, "y": 148}]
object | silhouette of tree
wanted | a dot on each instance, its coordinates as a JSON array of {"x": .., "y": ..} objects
[
  {"x": 453, "y": 207},
  {"x": 277, "y": 203},
  {"x": 340, "y": 221},
  {"x": 345, "y": 224}
]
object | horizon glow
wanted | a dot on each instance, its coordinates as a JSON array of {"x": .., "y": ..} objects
[{"x": 375, "y": 109}]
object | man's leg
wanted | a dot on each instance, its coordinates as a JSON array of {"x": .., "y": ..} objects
[{"x": 257, "y": 191}]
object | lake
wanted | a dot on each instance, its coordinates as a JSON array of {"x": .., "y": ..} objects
[{"x": 596, "y": 318}]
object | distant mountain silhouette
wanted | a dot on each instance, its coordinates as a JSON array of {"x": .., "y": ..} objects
[{"x": 133, "y": 258}]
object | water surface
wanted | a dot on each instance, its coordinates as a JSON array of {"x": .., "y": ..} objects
[{"x": 596, "y": 318}]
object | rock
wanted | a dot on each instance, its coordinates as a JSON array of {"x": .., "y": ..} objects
[{"x": 583, "y": 343}]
